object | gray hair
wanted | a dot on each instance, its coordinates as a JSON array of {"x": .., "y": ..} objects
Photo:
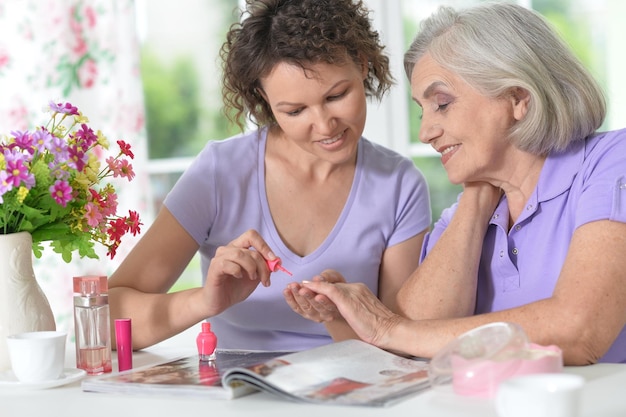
[{"x": 497, "y": 47}]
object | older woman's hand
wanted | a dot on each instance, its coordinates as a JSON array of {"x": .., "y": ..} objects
[
  {"x": 309, "y": 304},
  {"x": 359, "y": 307}
]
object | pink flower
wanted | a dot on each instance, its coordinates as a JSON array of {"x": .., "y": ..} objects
[
  {"x": 23, "y": 140},
  {"x": 127, "y": 170},
  {"x": 85, "y": 137},
  {"x": 65, "y": 108},
  {"x": 17, "y": 172},
  {"x": 120, "y": 168},
  {"x": 78, "y": 158},
  {"x": 93, "y": 215},
  {"x": 133, "y": 222},
  {"x": 109, "y": 205},
  {"x": 125, "y": 149},
  {"x": 61, "y": 191}
]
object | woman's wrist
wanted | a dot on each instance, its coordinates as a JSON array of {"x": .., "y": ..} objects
[
  {"x": 198, "y": 307},
  {"x": 479, "y": 201},
  {"x": 393, "y": 334}
]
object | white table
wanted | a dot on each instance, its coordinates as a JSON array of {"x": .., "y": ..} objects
[{"x": 604, "y": 395}]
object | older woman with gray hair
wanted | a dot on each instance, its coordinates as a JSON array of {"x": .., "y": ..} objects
[{"x": 538, "y": 235}]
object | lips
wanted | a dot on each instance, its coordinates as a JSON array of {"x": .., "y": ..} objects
[
  {"x": 332, "y": 140},
  {"x": 447, "y": 152},
  {"x": 334, "y": 143}
]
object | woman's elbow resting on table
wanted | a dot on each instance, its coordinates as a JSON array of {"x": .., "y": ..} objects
[
  {"x": 583, "y": 332},
  {"x": 583, "y": 342}
]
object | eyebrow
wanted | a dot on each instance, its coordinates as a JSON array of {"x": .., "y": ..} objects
[
  {"x": 287, "y": 103},
  {"x": 430, "y": 90}
]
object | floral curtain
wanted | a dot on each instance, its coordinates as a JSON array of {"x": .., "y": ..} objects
[{"x": 85, "y": 52}]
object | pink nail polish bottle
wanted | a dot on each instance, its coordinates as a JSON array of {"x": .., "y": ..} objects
[{"x": 206, "y": 342}]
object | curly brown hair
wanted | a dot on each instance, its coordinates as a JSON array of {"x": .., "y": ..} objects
[{"x": 300, "y": 32}]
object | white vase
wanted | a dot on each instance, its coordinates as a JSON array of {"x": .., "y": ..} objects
[{"x": 23, "y": 305}]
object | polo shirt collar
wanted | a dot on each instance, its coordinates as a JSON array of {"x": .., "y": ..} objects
[
  {"x": 556, "y": 177},
  {"x": 559, "y": 171}
]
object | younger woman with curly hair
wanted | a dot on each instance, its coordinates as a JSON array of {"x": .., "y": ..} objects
[{"x": 303, "y": 186}]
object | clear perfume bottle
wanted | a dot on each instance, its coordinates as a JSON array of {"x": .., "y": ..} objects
[{"x": 92, "y": 324}]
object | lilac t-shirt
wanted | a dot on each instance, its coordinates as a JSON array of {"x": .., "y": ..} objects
[
  {"x": 222, "y": 195},
  {"x": 521, "y": 265}
]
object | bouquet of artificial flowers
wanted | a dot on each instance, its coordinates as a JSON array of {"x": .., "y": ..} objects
[{"x": 54, "y": 186}]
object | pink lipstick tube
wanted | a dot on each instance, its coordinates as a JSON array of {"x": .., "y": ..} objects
[{"x": 124, "y": 341}]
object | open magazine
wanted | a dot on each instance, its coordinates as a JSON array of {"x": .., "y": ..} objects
[{"x": 344, "y": 373}]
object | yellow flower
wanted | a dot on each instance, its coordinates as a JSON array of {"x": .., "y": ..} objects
[
  {"x": 108, "y": 189},
  {"x": 102, "y": 140},
  {"x": 22, "y": 192},
  {"x": 77, "y": 220},
  {"x": 80, "y": 118},
  {"x": 92, "y": 168},
  {"x": 59, "y": 131},
  {"x": 82, "y": 181}
]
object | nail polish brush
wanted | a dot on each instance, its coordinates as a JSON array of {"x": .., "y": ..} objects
[{"x": 274, "y": 265}]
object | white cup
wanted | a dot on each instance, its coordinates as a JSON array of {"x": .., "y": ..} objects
[
  {"x": 37, "y": 356},
  {"x": 540, "y": 395}
]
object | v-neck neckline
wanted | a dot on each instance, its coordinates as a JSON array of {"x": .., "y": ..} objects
[{"x": 269, "y": 221}]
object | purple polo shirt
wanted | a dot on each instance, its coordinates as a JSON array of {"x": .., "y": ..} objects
[{"x": 521, "y": 265}]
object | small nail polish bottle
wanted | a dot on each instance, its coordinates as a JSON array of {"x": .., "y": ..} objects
[{"x": 206, "y": 342}]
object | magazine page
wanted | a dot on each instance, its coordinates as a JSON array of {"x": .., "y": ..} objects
[
  {"x": 182, "y": 376},
  {"x": 351, "y": 372}
]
